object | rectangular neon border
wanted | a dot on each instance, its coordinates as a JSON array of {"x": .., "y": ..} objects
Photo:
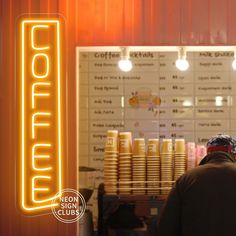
[{"x": 23, "y": 113}]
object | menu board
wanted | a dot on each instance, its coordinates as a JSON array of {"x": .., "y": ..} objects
[{"x": 154, "y": 100}]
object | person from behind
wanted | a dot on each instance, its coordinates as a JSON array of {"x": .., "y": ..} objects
[{"x": 203, "y": 200}]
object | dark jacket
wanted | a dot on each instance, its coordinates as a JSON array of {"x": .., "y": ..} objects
[{"x": 203, "y": 201}]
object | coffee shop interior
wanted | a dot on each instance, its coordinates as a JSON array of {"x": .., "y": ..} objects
[{"x": 145, "y": 84}]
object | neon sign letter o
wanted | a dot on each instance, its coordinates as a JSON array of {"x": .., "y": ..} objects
[{"x": 46, "y": 59}]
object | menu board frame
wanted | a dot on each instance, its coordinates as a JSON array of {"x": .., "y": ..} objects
[{"x": 171, "y": 110}]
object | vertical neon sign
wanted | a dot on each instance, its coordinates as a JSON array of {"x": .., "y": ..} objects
[{"x": 40, "y": 114}]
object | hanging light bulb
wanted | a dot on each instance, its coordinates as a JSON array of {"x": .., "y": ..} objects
[
  {"x": 124, "y": 63},
  {"x": 234, "y": 64},
  {"x": 234, "y": 61},
  {"x": 181, "y": 63}
]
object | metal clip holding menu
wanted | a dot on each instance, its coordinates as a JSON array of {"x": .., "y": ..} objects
[{"x": 40, "y": 113}]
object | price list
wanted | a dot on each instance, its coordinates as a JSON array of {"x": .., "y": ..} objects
[{"x": 154, "y": 100}]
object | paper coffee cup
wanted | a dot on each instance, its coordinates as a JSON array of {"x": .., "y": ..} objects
[
  {"x": 125, "y": 143},
  {"x": 191, "y": 149},
  {"x": 167, "y": 146},
  {"x": 153, "y": 148},
  {"x": 139, "y": 147},
  {"x": 179, "y": 146},
  {"x": 111, "y": 145},
  {"x": 201, "y": 152}
]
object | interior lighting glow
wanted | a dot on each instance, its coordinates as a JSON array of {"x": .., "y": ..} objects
[
  {"x": 124, "y": 63},
  {"x": 187, "y": 103},
  {"x": 234, "y": 61},
  {"x": 234, "y": 64},
  {"x": 218, "y": 100},
  {"x": 181, "y": 63}
]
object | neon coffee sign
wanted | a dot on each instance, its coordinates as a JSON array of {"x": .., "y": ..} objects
[{"x": 40, "y": 114}]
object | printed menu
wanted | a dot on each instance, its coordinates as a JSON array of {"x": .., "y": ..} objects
[{"x": 154, "y": 99}]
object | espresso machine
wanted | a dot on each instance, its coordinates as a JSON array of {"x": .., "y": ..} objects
[
  {"x": 128, "y": 215},
  {"x": 86, "y": 188}
]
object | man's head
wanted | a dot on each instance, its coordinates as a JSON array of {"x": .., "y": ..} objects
[{"x": 223, "y": 143}]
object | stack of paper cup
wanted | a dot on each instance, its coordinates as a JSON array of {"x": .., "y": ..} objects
[
  {"x": 125, "y": 162},
  {"x": 153, "y": 167},
  {"x": 139, "y": 166},
  {"x": 191, "y": 155},
  {"x": 200, "y": 153},
  {"x": 179, "y": 158},
  {"x": 166, "y": 166},
  {"x": 111, "y": 162}
]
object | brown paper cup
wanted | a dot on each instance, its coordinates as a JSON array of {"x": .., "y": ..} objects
[
  {"x": 139, "y": 147},
  {"x": 153, "y": 148},
  {"x": 167, "y": 146},
  {"x": 180, "y": 146},
  {"x": 125, "y": 143},
  {"x": 111, "y": 145}
]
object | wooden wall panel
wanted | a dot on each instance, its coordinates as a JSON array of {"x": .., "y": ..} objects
[
  {"x": 12, "y": 221},
  {"x": 155, "y": 22}
]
